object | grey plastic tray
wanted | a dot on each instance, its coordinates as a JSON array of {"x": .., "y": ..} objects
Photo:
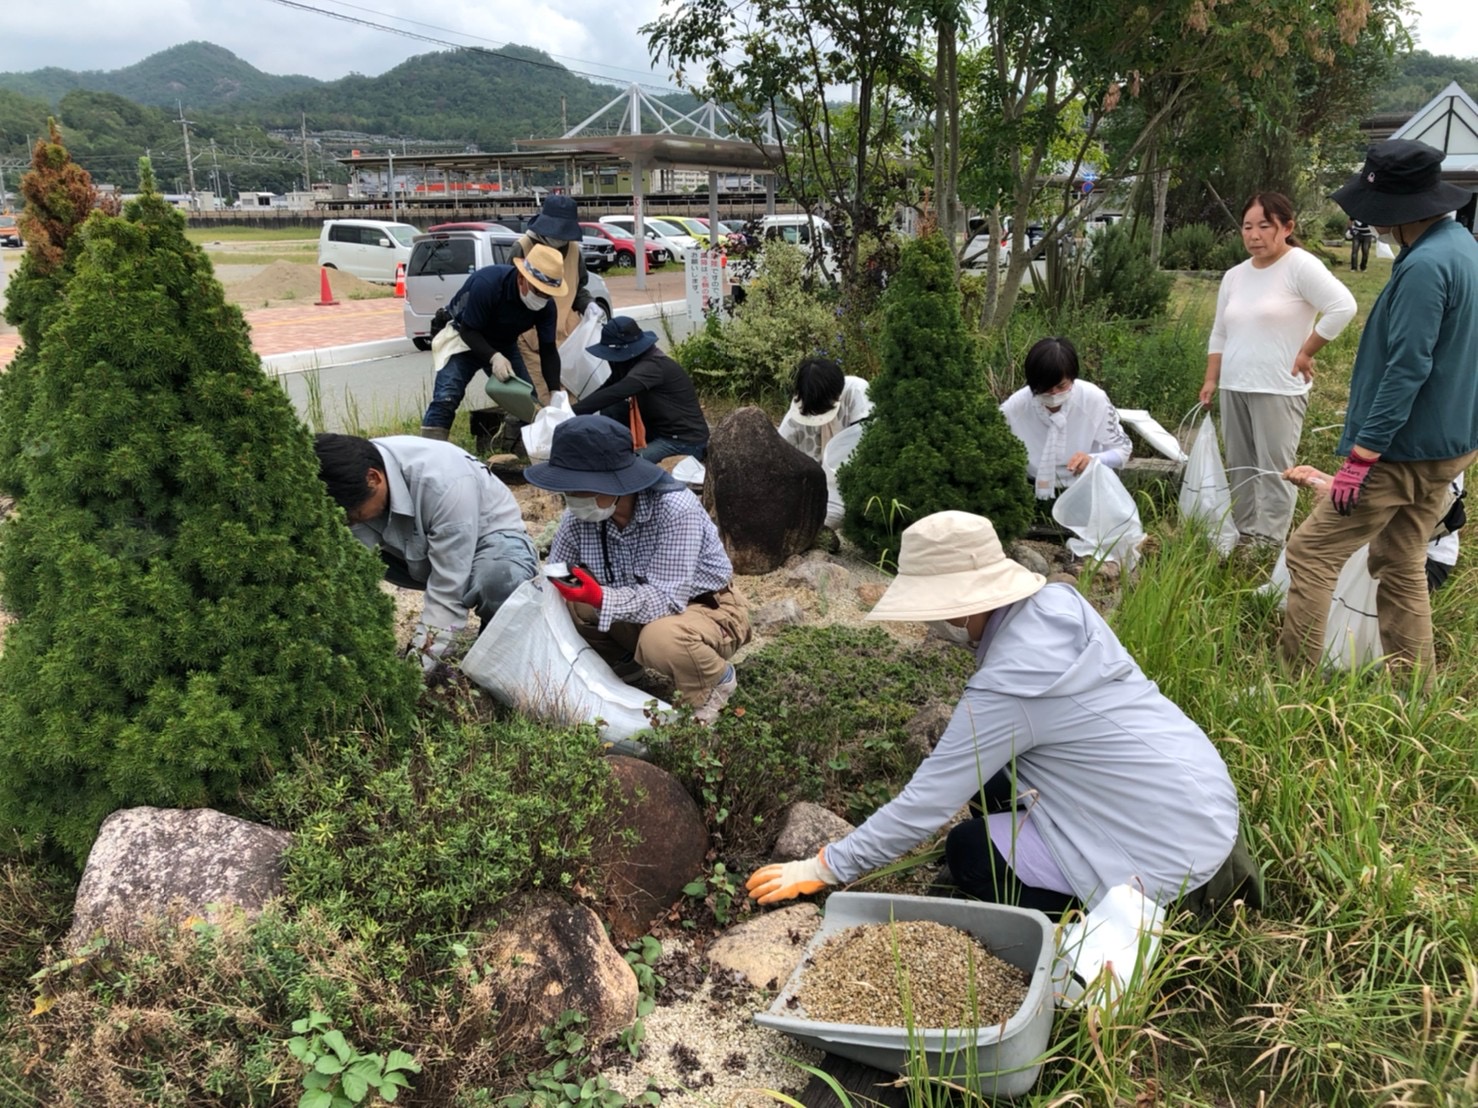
[{"x": 1000, "y": 1060}]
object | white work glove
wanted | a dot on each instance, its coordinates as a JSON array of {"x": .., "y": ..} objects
[
  {"x": 788, "y": 880},
  {"x": 592, "y": 311},
  {"x": 501, "y": 367},
  {"x": 430, "y": 644}
]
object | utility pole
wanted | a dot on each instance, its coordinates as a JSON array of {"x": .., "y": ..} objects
[
  {"x": 189, "y": 161},
  {"x": 215, "y": 170},
  {"x": 307, "y": 172}
]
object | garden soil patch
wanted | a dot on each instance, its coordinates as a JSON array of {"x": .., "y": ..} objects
[{"x": 299, "y": 283}]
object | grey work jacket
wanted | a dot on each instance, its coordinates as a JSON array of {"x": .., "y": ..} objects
[{"x": 442, "y": 500}]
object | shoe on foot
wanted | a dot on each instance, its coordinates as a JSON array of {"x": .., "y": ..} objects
[{"x": 718, "y": 696}]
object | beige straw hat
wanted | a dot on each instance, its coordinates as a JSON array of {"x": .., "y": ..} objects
[
  {"x": 951, "y": 564},
  {"x": 543, "y": 268}
]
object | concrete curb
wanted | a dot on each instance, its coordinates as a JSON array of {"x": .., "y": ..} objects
[{"x": 321, "y": 357}]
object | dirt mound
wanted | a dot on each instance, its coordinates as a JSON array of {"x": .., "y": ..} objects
[{"x": 296, "y": 281}]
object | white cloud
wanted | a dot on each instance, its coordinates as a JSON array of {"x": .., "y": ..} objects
[
  {"x": 108, "y": 34},
  {"x": 1446, "y": 27}
]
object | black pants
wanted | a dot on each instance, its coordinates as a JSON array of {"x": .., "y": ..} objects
[
  {"x": 1359, "y": 253},
  {"x": 980, "y": 870}
]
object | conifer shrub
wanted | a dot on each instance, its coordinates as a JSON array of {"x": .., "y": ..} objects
[
  {"x": 59, "y": 195},
  {"x": 1121, "y": 279},
  {"x": 937, "y": 440},
  {"x": 189, "y": 603}
]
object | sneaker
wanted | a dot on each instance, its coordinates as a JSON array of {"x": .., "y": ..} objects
[{"x": 718, "y": 696}]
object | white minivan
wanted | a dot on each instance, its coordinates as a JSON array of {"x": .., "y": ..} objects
[{"x": 371, "y": 249}]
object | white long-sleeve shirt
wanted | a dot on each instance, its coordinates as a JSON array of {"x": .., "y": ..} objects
[
  {"x": 1090, "y": 425},
  {"x": 1263, "y": 317},
  {"x": 1121, "y": 786}
]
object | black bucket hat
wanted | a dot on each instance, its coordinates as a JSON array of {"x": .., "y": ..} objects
[
  {"x": 559, "y": 218},
  {"x": 622, "y": 339},
  {"x": 1401, "y": 182},
  {"x": 591, "y": 453}
]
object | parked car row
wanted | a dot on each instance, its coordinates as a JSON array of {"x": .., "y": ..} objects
[{"x": 442, "y": 259}]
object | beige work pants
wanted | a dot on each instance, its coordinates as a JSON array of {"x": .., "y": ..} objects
[
  {"x": 693, "y": 648},
  {"x": 1398, "y": 509}
]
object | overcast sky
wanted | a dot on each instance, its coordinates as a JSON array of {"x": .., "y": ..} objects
[{"x": 601, "y": 36}]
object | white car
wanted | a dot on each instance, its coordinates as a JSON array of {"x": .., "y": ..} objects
[
  {"x": 371, "y": 249},
  {"x": 676, "y": 240},
  {"x": 798, "y": 229}
]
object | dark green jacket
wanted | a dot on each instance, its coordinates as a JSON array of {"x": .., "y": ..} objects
[{"x": 1414, "y": 389}]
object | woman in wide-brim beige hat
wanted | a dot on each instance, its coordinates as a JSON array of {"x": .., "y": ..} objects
[{"x": 1086, "y": 776}]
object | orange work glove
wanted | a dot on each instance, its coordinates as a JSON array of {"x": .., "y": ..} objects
[{"x": 788, "y": 880}]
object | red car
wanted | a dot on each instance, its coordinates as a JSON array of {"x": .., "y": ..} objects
[{"x": 626, "y": 246}]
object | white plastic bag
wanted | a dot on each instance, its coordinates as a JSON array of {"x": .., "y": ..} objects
[
  {"x": 1205, "y": 496},
  {"x": 538, "y": 436},
  {"x": 1150, "y": 430},
  {"x": 1108, "y": 950},
  {"x": 1352, "y": 632},
  {"x": 532, "y": 659},
  {"x": 690, "y": 471},
  {"x": 1098, "y": 509},
  {"x": 579, "y": 370},
  {"x": 1384, "y": 251},
  {"x": 837, "y": 451}
]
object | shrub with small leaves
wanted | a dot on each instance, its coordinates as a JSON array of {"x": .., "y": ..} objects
[
  {"x": 1121, "y": 278},
  {"x": 937, "y": 440},
  {"x": 189, "y": 602},
  {"x": 1189, "y": 247}
]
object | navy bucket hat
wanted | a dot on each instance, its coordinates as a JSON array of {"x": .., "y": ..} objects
[
  {"x": 591, "y": 453},
  {"x": 559, "y": 218},
  {"x": 621, "y": 340},
  {"x": 1401, "y": 182}
]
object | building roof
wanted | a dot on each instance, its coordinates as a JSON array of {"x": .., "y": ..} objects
[{"x": 1449, "y": 122}]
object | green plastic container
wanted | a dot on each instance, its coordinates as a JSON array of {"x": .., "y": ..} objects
[{"x": 996, "y": 1061}]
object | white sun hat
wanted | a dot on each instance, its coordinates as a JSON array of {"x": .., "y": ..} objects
[{"x": 951, "y": 564}]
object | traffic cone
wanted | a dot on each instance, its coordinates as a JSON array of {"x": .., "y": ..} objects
[
  {"x": 325, "y": 294},
  {"x": 400, "y": 280}
]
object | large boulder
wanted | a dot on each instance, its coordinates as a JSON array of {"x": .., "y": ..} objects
[
  {"x": 805, "y": 829},
  {"x": 657, "y": 840},
  {"x": 767, "y": 948},
  {"x": 152, "y": 863},
  {"x": 551, "y": 955},
  {"x": 768, "y": 498}
]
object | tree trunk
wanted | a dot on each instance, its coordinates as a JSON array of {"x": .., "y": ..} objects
[{"x": 1160, "y": 181}]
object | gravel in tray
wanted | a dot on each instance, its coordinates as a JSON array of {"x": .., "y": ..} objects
[{"x": 862, "y": 975}]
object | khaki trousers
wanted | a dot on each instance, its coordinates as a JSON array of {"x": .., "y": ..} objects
[
  {"x": 1260, "y": 431},
  {"x": 693, "y": 648},
  {"x": 1398, "y": 509}
]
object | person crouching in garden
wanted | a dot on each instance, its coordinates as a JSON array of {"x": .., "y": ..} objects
[
  {"x": 1064, "y": 423},
  {"x": 647, "y": 391},
  {"x": 1088, "y": 776},
  {"x": 823, "y": 402},
  {"x": 441, "y": 522},
  {"x": 654, "y": 579}
]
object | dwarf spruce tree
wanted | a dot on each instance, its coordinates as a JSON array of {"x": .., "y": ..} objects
[
  {"x": 59, "y": 195},
  {"x": 190, "y": 604},
  {"x": 937, "y": 440}
]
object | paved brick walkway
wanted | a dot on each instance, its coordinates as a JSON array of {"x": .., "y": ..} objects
[{"x": 307, "y": 326}]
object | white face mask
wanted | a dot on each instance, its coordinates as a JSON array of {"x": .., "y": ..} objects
[
  {"x": 958, "y": 636},
  {"x": 585, "y": 509},
  {"x": 1051, "y": 400},
  {"x": 533, "y": 301}
]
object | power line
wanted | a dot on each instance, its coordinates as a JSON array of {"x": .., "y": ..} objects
[
  {"x": 495, "y": 42},
  {"x": 417, "y": 36}
]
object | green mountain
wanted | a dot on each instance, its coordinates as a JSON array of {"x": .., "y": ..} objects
[
  {"x": 1421, "y": 76},
  {"x": 200, "y": 75}
]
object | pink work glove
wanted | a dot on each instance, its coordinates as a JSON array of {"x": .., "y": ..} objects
[{"x": 1345, "y": 489}]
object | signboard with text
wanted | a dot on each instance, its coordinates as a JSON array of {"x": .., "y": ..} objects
[{"x": 704, "y": 281}]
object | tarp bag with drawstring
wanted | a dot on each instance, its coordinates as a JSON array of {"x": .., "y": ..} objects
[
  {"x": 533, "y": 659},
  {"x": 1352, "y": 631},
  {"x": 1099, "y": 511},
  {"x": 1205, "y": 495}
]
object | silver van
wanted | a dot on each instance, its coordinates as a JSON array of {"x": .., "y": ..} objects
[
  {"x": 371, "y": 249},
  {"x": 440, "y": 263}
]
